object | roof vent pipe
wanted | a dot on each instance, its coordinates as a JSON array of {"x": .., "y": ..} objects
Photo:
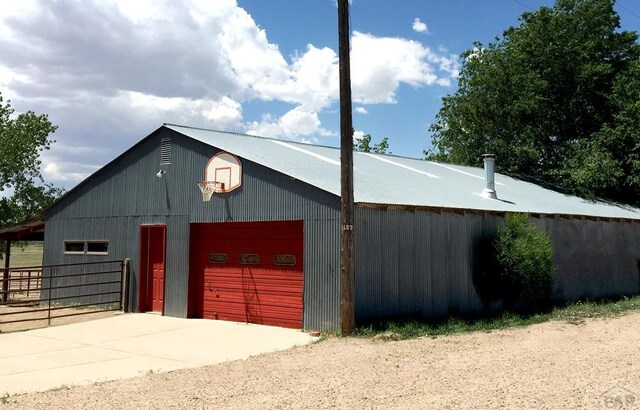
[{"x": 489, "y": 176}]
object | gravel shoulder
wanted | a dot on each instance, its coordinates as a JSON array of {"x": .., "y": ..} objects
[{"x": 546, "y": 366}]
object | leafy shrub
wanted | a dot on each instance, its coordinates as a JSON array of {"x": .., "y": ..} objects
[{"x": 525, "y": 259}]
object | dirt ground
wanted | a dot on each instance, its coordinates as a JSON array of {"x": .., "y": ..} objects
[{"x": 548, "y": 366}]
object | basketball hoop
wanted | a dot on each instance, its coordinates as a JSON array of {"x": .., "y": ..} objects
[{"x": 208, "y": 188}]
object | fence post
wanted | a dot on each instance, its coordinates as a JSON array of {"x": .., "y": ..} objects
[
  {"x": 124, "y": 303},
  {"x": 6, "y": 272},
  {"x": 49, "y": 296}
]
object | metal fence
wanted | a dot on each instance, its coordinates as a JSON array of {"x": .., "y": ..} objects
[
  {"x": 63, "y": 290},
  {"x": 24, "y": 284}
]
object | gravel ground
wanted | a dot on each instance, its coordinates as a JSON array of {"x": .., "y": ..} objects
[{"x": 548, "y": 366}]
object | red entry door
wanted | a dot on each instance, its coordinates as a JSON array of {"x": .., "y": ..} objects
[{"x": 152, "y": 263}]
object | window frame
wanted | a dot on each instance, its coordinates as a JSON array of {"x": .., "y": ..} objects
[
  {"x": 66, "y": 252},
  {"x": 85, "y": 247},
  {"x": 104, "y": 241}
]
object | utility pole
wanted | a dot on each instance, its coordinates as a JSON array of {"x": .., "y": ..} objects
[{"x": 347, "y": 276}]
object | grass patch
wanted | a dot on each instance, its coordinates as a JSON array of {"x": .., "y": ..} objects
[
  {"x": 573, "y": 313},
  {"x": 29, "y": 255}
]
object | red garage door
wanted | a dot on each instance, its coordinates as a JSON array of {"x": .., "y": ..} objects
[{"x": 248, "y": 272}]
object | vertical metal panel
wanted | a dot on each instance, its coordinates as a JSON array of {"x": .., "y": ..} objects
[
  {"x": 126, "y": 193},
  {"x": 422, "y": 259},
  {"x": 427, "y": 263},
  {"x": 594, "y": 258},
  {"x": 322, "y": 274},
  {"x": 177, "y": 267},
  {"x": 368, "y": 276},
  {"x": 387, "y": 234},
  {"x": 440, "y": 256},
  {"x": 406, "y": 264}
]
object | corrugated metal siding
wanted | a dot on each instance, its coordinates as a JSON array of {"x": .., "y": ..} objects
[
  {"x": 594, "y": 259},
  {"x": 414, "y": 263},
  {"x": 322, "y": 274},
  {"x": 421, "y": 263},
  {"x": 126, "y": 193},
  {"x": 123, "y": 234}
]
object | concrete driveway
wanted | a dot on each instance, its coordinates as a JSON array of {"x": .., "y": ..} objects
[{"x": 128, "y": 345}]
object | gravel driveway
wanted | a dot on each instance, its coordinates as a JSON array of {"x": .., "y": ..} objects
[{"x": 552, "y": 365}]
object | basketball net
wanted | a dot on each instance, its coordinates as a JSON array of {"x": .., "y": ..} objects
[{"x": 208, "y": 188}]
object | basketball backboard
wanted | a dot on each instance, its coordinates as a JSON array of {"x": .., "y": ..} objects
[{"x": 226, "y": 170}]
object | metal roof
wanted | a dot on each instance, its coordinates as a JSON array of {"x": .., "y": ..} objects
[
  {"x": 394, "y": 180},
  {"x": 31, "y": 229}
]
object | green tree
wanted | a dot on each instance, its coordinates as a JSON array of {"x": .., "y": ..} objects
[
  {"x": 22, "y": 139},
  {"x": 608, "y": 164},
  {"x": 552, "y": 98},
  {"x": 364, "y": 145}
]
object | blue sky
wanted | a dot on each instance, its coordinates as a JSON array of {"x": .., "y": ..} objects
[{"x": 109, "y": 72}]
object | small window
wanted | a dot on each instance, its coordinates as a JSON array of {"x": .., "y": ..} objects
[
  {"x": 165, "y": 151},
  {"x": 97, "y": 247},
  {"x": 217, "y": 258},
  {"x": 74, "y": 247},
  {"x": 284, "y": 259},
  {"x": 249, "y": 258}
]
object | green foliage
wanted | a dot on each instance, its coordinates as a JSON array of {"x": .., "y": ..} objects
[
  {"x": 364, "y": 145},
  {"x": 525, "y": 258},
  {"x": 22, "y": 139},
  {"x": 608, "y": 164},
  {"x": 555, "y": 98}
]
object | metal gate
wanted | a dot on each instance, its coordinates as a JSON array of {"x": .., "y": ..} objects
[{"x": 38, "y": 293}]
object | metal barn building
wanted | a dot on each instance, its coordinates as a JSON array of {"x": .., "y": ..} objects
[{"x": 267, "y": 251}]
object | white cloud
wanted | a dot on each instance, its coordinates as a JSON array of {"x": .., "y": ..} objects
[
  {"x": 380, "y": 64},
  {"x": 293, "y": 124},
  {"x": 419, "y": 26},
  {"x": 357, "y": 135},
  {"x": 65, "y": 171},
  {"x": 67, "y": 163},
  {"x": 311, "y": 80},
  {"x": 316, "y": 78},
  {"x": 109, "y": 71},
  {"x": 224, "y": 113}
]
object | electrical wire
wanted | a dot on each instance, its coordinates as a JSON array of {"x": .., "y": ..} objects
[
  {"x": 628, "y": 10},
  {"x": 523, "y": 5}
]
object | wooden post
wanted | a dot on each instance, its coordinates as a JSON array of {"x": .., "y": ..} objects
[
  {"x": 347, "y": 277},
  {"x": 5, "y": 272}
]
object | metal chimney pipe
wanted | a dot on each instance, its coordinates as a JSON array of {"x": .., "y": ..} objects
[{"x": 489, "y": 176}]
